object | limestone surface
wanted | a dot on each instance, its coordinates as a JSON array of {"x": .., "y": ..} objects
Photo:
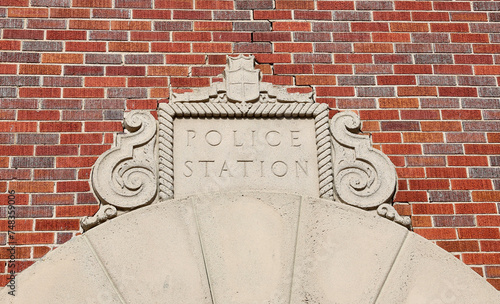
[{"x": 250, "y": 247}]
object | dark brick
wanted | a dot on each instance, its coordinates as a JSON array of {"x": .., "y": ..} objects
[
  {"x": 33, "y": 162},
  {"x": 495, "y": 161},
  {"x": 443, "y": 149},
  {"x": 487, "y": 126},
  {"x": 486, "y": 6},
  {"x": 481, "y": 103},
  {"x": 103, "y": 58},
  {"x": 37, "y": 139},
  {"x": 489, "y": 92},
  {"x": 127, "y": 92},
  {"x": 113, "y": 114},
  {"x": 252, "y": 47},
  {"x": 173, "y": 26},
  {"x": 30, "y": 211},
  {"x": 51, "y": 3},
  {"x": 376, "y": 92},
  {"x": 433, "y": 59},
  {"x": 449, "y": 196},
  {"x": 337, "y": 27},
  {"x": 452, "y": 48},
  {"x": 253, "y": 4},
  {"x": 477, "y": 81},
  {"x": 356, "y": 80},
  {"x": 19, "y": 80},
  {"x": 19, "y": 57},
  {"x": 11, "y": 23},
  {"x": 351, "y": 16},
  {"x": 144, "y": 59},
  {"x": 55, "y": 174},
  {"x": 430, "y": 37},
  {"x": 454, "y": 221},
  {"x": 108, "y": 35},
  {"x": 312, "y": 58},
  {"x": 400, "y": 126},
  {"x": 133, "y": 3},
  {"x": 256, "y": 26},
  {"x": 484, "y": 172},
  {"x": 65, "y": 81},
  {"x": 84, "y": 70},
  {"x": 232, "y": 15},
  {"x": 43, "y": 46},
  {"x": 437, "y": 80},
  {"x": 8, "y": 92},
  {"x": 314, "y": 37}
]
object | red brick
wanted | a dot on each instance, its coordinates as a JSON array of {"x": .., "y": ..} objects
[
  {"x": 105, "y": 81},
  {"x": 168, "y": 71},
  {"x": 217, "y": 5},
  {"x": 37, "y": 115},
  {"x": 459, "y": 246},
  {"x": 185, "y": 59},
  {"x": 426, "y": 161},
  {"x": 271, "y": 15},
  {"x": 212, "y": 47},
  {"x": 479, "y": 208},
  {"x": 295, "y": 4},
  {"x": 93, "y": 149},
  {"x": 447, "y": 126},
  {"x": 369, "y": 27},
  {"x": 60, "y": 127},
  {"x": 432, "y": 208},
  {"x": 417, "y": 91},
  {"x": 409, "y": 27},
  {"x": 40, "y": 92},
  {"x": 39, "y": 69},
  {"x": 108, "y": 126},
  {"x": 470, "y": 184},
  {"x": 373, "y": 48},
  {"x": 429, "y": 184},
  {"x": 72, "y": 186},
  {"x": 413, "y": 69},
  {"x": 452, "y": 91},
  {"x": 66, "y": 35},
  {"x": 487, "y": 70},
  {"x": 430, "y": 16},
  {"x": 62, "y": 58},
  {"x": 83, "y": 93},
  {"x": 170, "y": 47},
  {"x": 32, "y": 187},
  {"x": 469, "y": 17},
  {"x": 28, "y": 12},
  {"x": 452, "y": 6},
  {"x": 89, "y": 138},
  {"x": 486, "y": 48},
  {"x": 402, "y": 149},
  {"x": 128, "y": 47},
  {"x": 69, "y": 13},
  {"x": 19, "y": 34},
  {"x": 478, "y": 233},
  {"x": 398, "y": 103},
  {"x": 54, "y": 174},
  {"x": 437, "y": 233},
  {"x": 292, "y": 26},
  {"x": 75, "y": 162},
  {"x": 15, "y": 127},
  {"x": 34, "y": 238},
  {"x": 76, "y": 211},
  {"x": 396, "y": 80},
  {"x": 189, "y": 82},
  {"x": 57, "y": 224},
  {"x": 56, "y": 150},
  {"x": 335, "y": 91},
  {"x": 453, "y": 69},
  {"x": 279, "y": 58},
  {"x": 336, "y": 5},
  {"x": 422, "y": 137},
  {"x": 420, "y": 114},
  {"x": 481, "y": 258},
  {"x": 454, "y": 160},
  {"x": 379, "y": 115},
  {"x": 212, "y": 26},
  {"x": 151, "y": 14},
  {"x": 125, "y": 71},
  {"x": 486, "y": 196},
  {"x": 489, "y": 149},
  {"x": 446, "y": 172}
]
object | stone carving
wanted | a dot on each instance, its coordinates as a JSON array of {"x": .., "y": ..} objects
[
  {"x": 363, "y": 176},
  {"x": 388, "y": 211},
  {"x": 349, "y": 169},
  {"x": 125, "y": 177}
]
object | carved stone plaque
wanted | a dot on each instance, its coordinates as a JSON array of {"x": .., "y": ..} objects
[{"x": 214, "y": 155}]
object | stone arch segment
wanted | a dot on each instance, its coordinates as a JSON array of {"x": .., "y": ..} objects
[{"x": 250, "y": 248}]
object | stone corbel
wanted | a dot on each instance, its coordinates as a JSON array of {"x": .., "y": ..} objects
[
  {"x": 126, "y": 176},
  {"x": 363, "y": 176}
]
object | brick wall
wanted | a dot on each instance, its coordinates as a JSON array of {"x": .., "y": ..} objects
[{"x": 423, "y": 76}]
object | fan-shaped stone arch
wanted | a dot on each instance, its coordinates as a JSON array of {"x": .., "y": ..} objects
[{"x": 250, "y": 248}]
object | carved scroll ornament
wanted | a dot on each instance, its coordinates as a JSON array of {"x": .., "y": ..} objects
[
  {"x": 125, "y": 177},
  {"x": 363, "y": 176}
]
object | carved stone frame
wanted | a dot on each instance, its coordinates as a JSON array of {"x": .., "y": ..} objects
[{"x": 317, "y": 111}]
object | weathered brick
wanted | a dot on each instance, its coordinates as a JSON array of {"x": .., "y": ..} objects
[{"x": 449, "y": 196}]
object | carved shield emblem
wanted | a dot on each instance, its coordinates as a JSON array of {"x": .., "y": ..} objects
[{"x": 242, "y": 81}]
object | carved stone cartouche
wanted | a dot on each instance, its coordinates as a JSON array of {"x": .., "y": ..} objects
[{"x": 350, "y": 169}]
